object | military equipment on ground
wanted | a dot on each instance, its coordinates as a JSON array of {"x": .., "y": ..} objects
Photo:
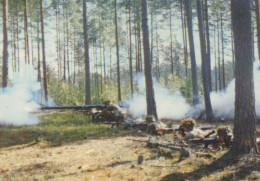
[
  {"x": 100, "y": 112},
  {"x": 206, "y": 141}
]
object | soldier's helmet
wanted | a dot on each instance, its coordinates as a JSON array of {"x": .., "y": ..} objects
[
  {"x": 107, "y": 103},
  {"x": 223, "y": 131},
  {"x": 188, "y": 123},
  {"x": 225, "y": 135}
]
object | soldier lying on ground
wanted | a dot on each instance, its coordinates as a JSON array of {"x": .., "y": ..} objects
[
  {"x": 191, "y": 132},
  {"x": 225, "y": 135},
  {"x": 111, "y": 113}
]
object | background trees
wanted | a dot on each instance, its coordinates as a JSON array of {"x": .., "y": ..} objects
[{"x": 171, "y": 27}]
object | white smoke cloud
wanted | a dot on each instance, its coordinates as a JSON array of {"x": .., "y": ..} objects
[
  {"x": 173, "y": 105},
  {"x": 17, "y": 101},
  {"x": 169, "y": 104}
]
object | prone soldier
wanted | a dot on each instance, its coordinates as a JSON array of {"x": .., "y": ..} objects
[
  {"x": 225, "y": 135},
  {"x": 191, "y": 132}
]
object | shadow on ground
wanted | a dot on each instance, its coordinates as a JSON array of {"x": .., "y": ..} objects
[{"x": 241, "y": 168}]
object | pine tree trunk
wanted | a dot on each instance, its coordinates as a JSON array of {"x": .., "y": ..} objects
[
  {"x": 184, "y": 38},
  {"x": 223, "y": 53},
  {"x": 257, "y": 25},
  {"x": 5, "y": 47},
  {"x": 86, "y": 56},
  {"x": 195, "y": 91},
  {"x": 208, "y": 45},
  {"x": 171, "y": 43},
  {"x": 64, "y": 45},
  {"x": 245, "y": 116},
  {"x": 17, "y": 39},
  {"x": 67, "y": 37},
  {"x": 215, "y": 53},
  {"x": 130, "y": 49},
  {"x": 204, "y": 68},
  {"x": 27, "y": 53},
  {"x": 151, "y": 38},
  {"x": 43, "y": 58},
  {"x": 219, "y": 67},
  {"x": 233, "y": 52},
  {"x": 150, "y": 99},
  {"x": 117, "y": 54},
  {"x": 32, "y": 44},
  {"x": 157, "y": 67},
  {"x": 39, "y": 54}
]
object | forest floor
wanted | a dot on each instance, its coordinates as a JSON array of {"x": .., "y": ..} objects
[{"x": 111, "y": 156}]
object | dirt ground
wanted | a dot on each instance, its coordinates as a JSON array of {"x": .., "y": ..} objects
[
  {"x": 105, "y": 159},
  {"x": 116, "y": 159}
]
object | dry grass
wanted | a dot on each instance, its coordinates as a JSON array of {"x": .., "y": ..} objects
[{"x": 66, "y": 146}]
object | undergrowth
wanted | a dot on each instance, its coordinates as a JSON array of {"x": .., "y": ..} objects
[{"x": 57, "y": 128}]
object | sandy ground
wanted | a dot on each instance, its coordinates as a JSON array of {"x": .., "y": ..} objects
[{"x": 103, "y": 159}]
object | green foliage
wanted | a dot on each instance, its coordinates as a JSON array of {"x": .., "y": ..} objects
[
  {"x": 57, "y": 128},
  {"x": 64, "y": 93}
]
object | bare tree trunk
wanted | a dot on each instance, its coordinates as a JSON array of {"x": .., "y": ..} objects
[
  {"x": 5, "y": 47},
  {"x": 184, "y": 38},
  {"x": 130, "y": 49},
  {"x": 151, "y": 37},
  {"x": 32, "y": 44},
  {"x": 157, "y": 67},
  {"x": 219, "y": 67},
  {"x": 64, "y": 45},
  {"x": 257, "y": 25},
  {"x": 233, "y": 52},
  {"x": 39, "y": 54},
  {"x": 171, "y": 43},
  {"x": 67, "y": 37},
  {"x": 245, "y": 116},
  {"x": 206, "y": 89},
  {"x": 195, "y": 90},
  {"x": 86, "y": 54},
  {"x": 26, "y": 39},
  {"x": 215, "y": 53},
  {"x": 223, "y": 53},
  {"x": 17, "y": 39},
  {"x": 117, "y": 54},
  {"x": 43, "y": 58},
  {"x": 150, "y": 99},
  {"x": 208, "y": 45}
]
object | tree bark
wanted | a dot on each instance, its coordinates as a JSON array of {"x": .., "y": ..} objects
[
  {"x": 26, "y": 39},
  {"x": 204, "y": 68},
  {"x": 219, "y": 67},
  {"x": 39, "y": 54},
  {"x": 208, "y": 45},
  {"x": 43, "y": 58},
  {"x": 195, "y": 90},
  {"x": 86, "y": 56},
  {"x": 17, "y": 39},
  {"x": 257, "y": 25},
  {"x": 245, "y": 117},
  {"x": 223, "y": 51},
  {"x": 117, "y": 54},
  {"x": 130, "y": 50},
  {"x": 171, "y": 43},
  {"x": 184, "y": 38},
  {"x": 150, "y": 99},
  {"x": 5, "y": 47}
]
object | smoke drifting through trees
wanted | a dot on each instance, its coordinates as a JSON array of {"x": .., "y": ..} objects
[
  {"x": 18, "y": 99},
  {"x": 173, "y": 105}
]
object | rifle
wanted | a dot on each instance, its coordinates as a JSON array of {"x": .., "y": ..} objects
[{"x": 205, "y": 141}]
